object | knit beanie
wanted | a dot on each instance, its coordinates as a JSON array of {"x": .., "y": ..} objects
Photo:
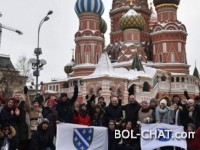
[{"x": 163, "y": 101}]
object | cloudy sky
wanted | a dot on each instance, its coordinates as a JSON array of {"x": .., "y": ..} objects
[{"x": 57, "y": 34}]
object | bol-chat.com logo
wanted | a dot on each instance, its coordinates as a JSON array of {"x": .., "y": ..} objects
[{"x": 164, "y": 134}]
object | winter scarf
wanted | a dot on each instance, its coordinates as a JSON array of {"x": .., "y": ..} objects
[{"x": 161, "y": 113}]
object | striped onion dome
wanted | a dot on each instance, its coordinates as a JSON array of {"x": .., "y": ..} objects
[{"x": 95, "y": 6}]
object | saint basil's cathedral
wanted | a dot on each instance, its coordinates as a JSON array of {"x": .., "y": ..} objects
[{"x": 146, "y": 55}]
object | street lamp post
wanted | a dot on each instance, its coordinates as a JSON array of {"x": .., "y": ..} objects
[{"x": 38, "y": 64}]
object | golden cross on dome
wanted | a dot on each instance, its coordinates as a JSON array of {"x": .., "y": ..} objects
[{"x": 131, "y": 3}]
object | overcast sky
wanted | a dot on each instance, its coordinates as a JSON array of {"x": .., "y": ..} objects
[{"x": 57, "y": 34}]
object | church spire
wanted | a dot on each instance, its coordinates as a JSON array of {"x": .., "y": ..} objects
[
  {"x": 196, "y": 72},
  {"x": 137, "y": 64}
]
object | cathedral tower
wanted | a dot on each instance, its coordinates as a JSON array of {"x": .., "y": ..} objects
[
  {"x": 89, "y": 39},
  {"x": 119, "y": 8},
  {"x": 169, "y": 38}
]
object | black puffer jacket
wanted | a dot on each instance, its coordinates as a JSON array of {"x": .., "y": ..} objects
[
  {"x": 113, "y": 113},
  {"x": 11, "y": 139},
  {"x": 40, "y": 140},
  {"x": 64, "y": 108}
]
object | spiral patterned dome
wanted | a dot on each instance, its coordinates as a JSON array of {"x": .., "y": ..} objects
[
  {"x": 95, "y": 6},
  {"x": 132, "y": 20},
  {"x": 159, "y": 2},
  {"x": 68, "y": 68},
  {"x": 103, "y": 26}
]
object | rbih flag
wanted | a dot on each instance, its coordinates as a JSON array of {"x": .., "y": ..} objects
[
  {"x": 159, "y": 135},
  {"x": 79, "y": 137}
]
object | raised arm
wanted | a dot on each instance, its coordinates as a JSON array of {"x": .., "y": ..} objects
[{"x": 74, "y": 97}]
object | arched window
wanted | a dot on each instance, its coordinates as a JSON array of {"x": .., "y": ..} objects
[
  {"x": 172, "y": 79},
  {"x": 131, "y": 90},
  {"x": 163, "y": 78},
  {"x": 177, "y": 79},
  {"x": 146, "y": 87},
  {"x": 182, "y": 79}
]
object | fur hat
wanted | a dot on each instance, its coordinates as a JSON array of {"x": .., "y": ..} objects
[
  {"x": 163, "y": 101},
  {"x": 44, "y": 120}
]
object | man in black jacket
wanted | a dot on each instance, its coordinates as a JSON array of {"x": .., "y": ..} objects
[
  {"x": 64, "y": 107},
  {"x": 114, "y": 111},
  {"x": 131, "y": 110}
]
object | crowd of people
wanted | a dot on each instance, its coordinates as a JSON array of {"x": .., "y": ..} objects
[{"x": 31, "y": 124}]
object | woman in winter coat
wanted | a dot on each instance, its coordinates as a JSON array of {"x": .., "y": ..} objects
[
  {"x": 98, "y": 116},
  {"x": 40, "y": 139},
  {"x": 51, "y": 114},
  {"x": 7, "y": 137},
  {"x": 145, "y": 114},
  {"x": 163, "y": 113},
  {"x": 82, "y": 117},
  {"x": 35, "y": 116}
]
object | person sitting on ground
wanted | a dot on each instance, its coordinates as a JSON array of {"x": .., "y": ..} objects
[
  {"x": 40, "y": 139},
  {"x": 112, "y": 141}
]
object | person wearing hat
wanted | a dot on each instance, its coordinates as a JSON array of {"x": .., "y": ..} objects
[
  {"x": 65, "y": 106},
  {"x": 145, "y": 114},
  {"x": 7, "y": 137},
  {"x": 153, "y": 105},
  {"x": 35, "y": 115},
  {"x": 51, "y": 114},
  {"x": 40, "y": 139},
  {"x": 163, "y": 113}
]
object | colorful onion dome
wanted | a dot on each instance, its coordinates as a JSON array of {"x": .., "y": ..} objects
[
  {"x": 159, "y": 2},
  {"x": 68, "y": 68},
  {"x": 103, "y": 26},
  {"x": 95, "y": 6},
  {"x": 132, "y": 20}
]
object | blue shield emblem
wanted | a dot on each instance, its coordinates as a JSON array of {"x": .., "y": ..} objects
[
  {"x": 82, "y": 138},
  {"x": 164, "y": 134}
]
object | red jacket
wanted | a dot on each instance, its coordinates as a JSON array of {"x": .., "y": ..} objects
[
  {"x": 194, "y": 143},
  {"x": 79, "y": 119}
]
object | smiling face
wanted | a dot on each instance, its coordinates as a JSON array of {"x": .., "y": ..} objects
[
  {"x": 10, "y": 103},
  {"x": 114, "y": 101},
  {"x": 6, "y": 130},
  {"x": 45, "y": 126},
  {"x": 132, "y": 99},
  {"x": 129, "y": 125},
  {"x": 36, "y": 105}
]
